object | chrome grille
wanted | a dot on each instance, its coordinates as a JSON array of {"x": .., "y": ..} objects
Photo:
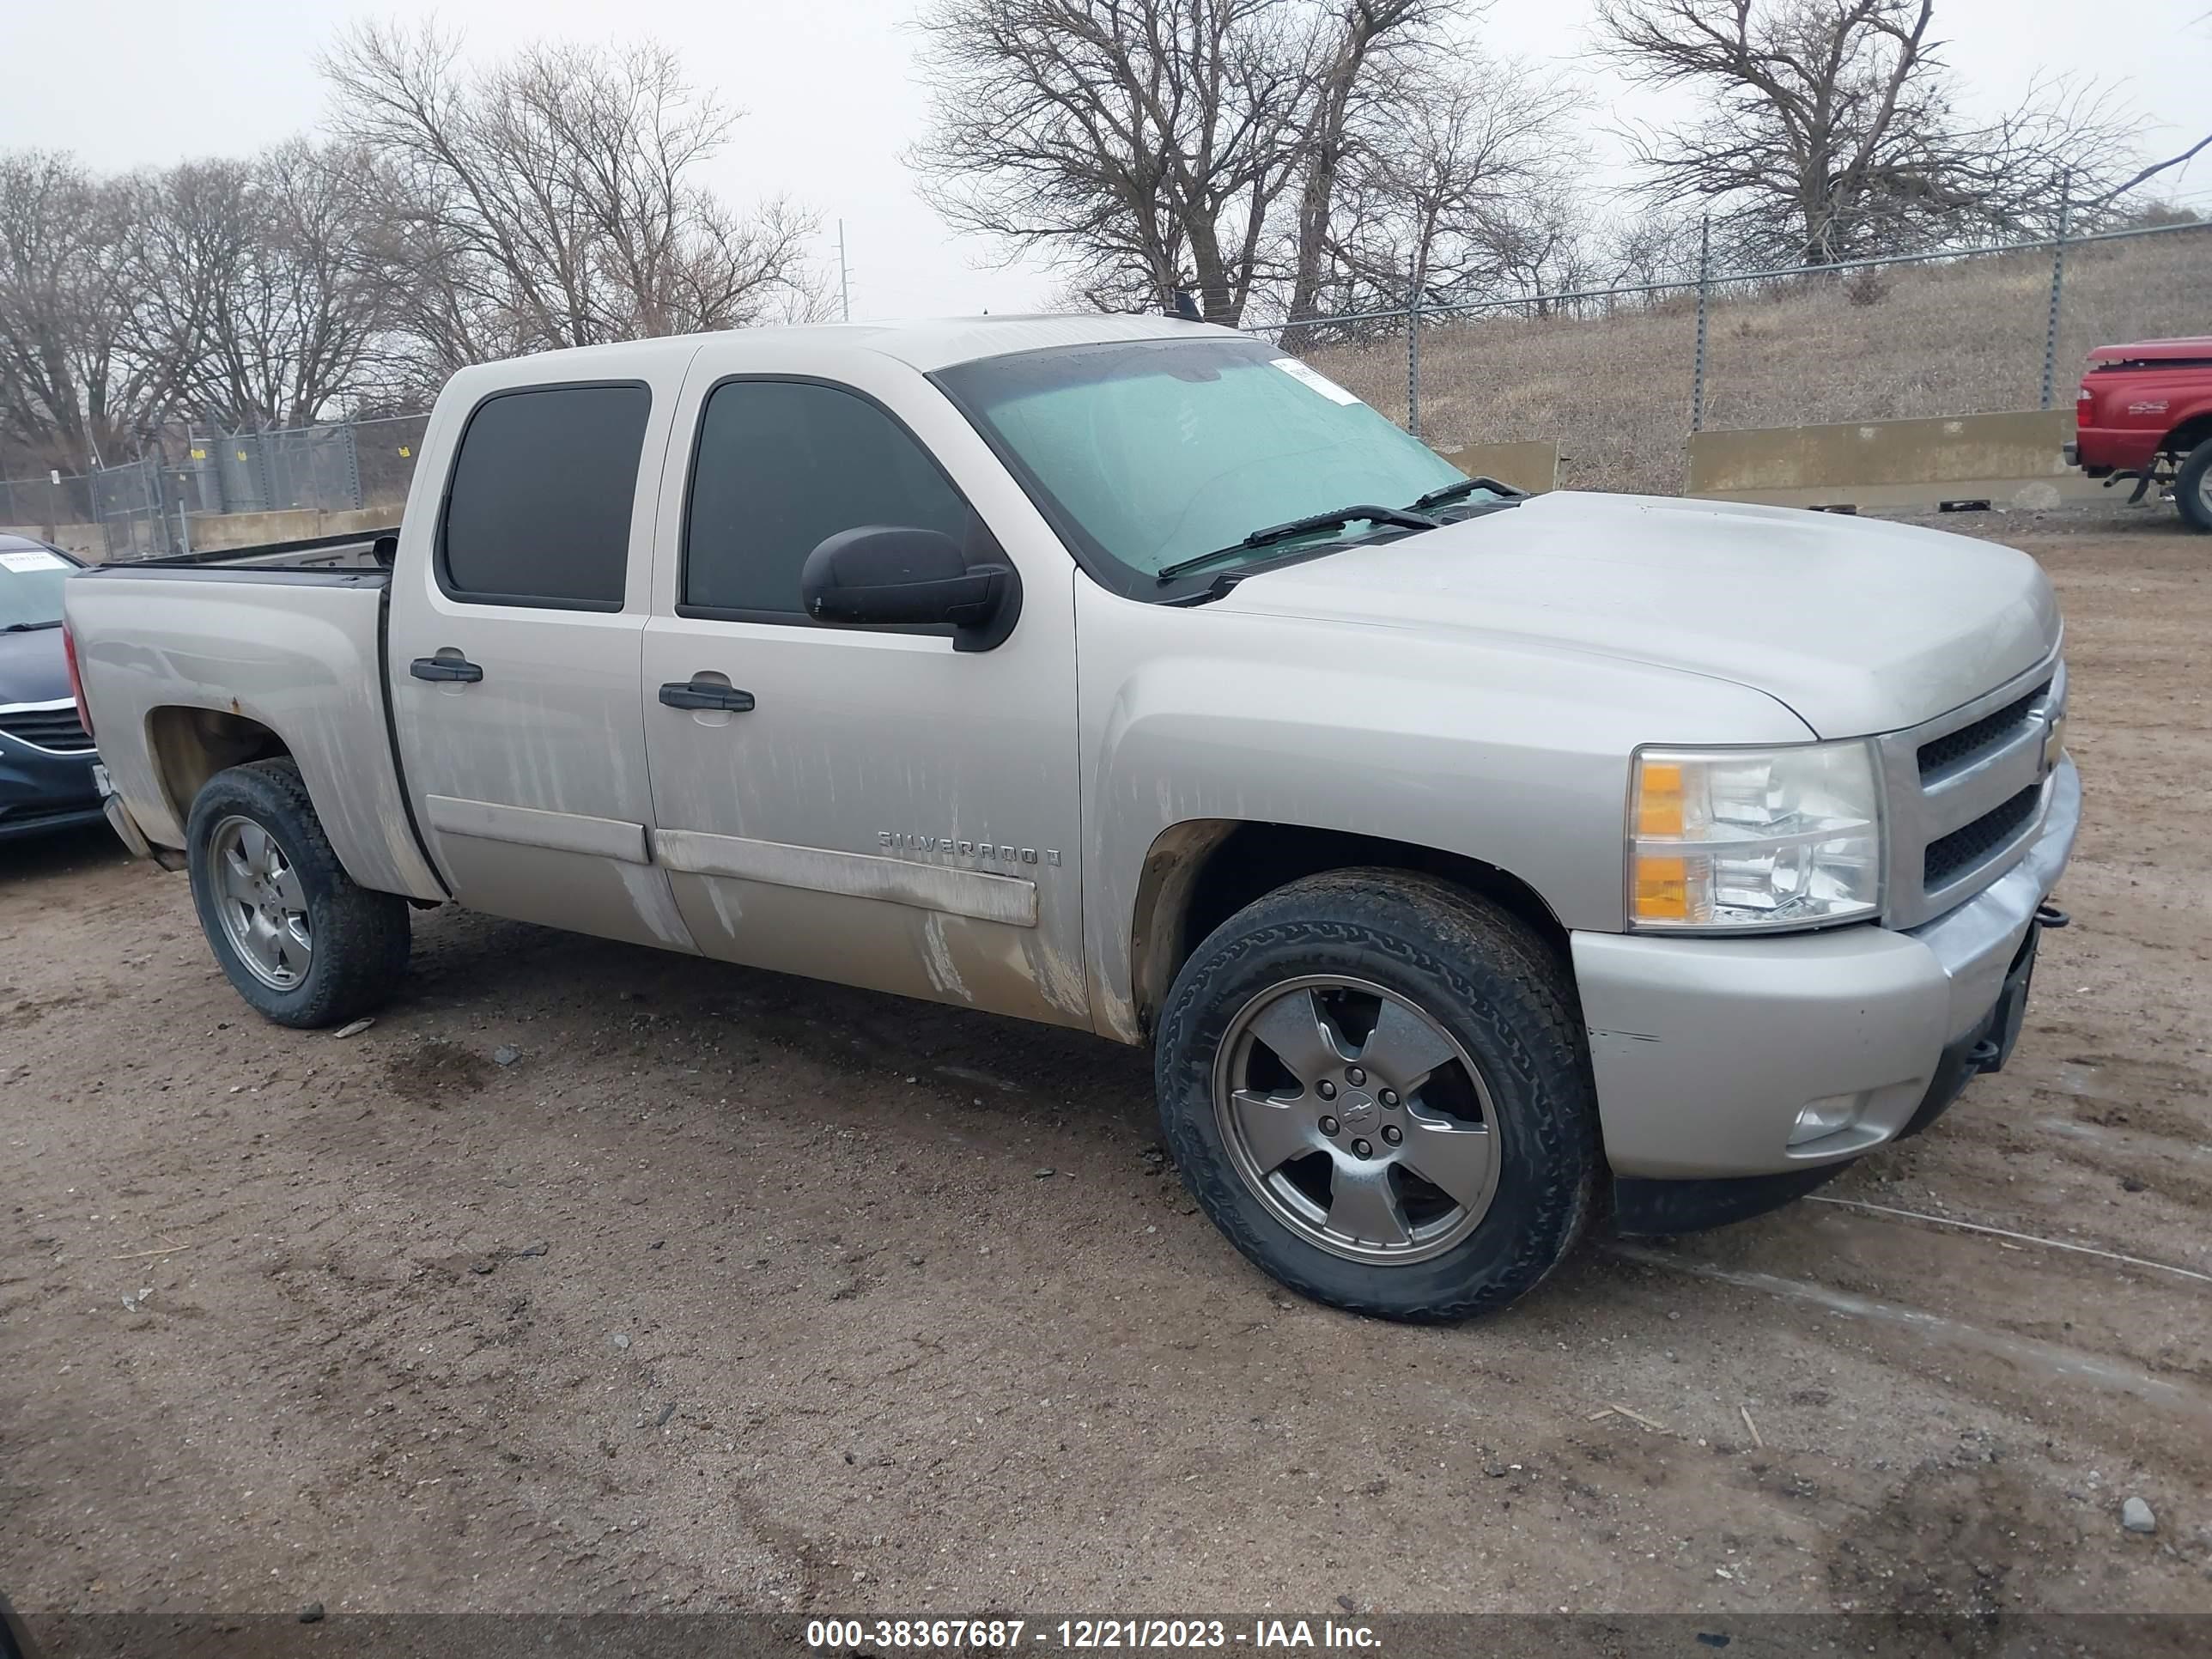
[
  {"x": 49, "y": 725},
  {"x": 1966, "y": 793}
]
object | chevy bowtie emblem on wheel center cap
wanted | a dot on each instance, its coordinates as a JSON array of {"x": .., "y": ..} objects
[{"x": 1357, "y": 1109}]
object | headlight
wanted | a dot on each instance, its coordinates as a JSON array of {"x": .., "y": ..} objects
[{"x": 1739, "y": 840}]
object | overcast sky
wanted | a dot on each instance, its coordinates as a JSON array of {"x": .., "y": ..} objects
[{"x": 829, "y": 102}]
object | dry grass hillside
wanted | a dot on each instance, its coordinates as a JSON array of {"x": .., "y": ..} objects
[{"x": 1965, "y": 338}]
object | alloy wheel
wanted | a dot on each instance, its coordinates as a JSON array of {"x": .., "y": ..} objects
[{"x": 1360, "y": 1123}]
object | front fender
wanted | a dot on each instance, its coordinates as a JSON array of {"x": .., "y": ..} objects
[{"x": 1513, "y": 755}]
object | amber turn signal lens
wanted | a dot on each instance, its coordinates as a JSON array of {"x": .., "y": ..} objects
[
  {"x": 1659, "y": 800},
  {"x": 1662, "y": 889}
]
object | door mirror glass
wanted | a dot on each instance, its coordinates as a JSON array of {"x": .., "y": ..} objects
[{"x": 893, "y": 575}]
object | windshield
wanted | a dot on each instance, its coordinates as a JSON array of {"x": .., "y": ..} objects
[
  {"x": 31, "y": 586},
  {"x": 1145, "y": 453}
]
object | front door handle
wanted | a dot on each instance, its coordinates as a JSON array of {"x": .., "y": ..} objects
[
  {"x": 705, "y": 693},
  {"x": 445, "y": 668}
]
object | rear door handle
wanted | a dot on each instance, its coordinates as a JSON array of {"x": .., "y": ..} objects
[
  {"x": 445, "y": 668},
  {"x": 705, "y": 693}
]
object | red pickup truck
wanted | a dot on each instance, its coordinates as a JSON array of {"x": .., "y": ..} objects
[{"x": 2145, "y": 412}]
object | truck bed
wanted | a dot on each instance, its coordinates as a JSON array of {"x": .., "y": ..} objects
[
  {"x": 192, "y": 664},
  {"x": 314, "y": 553}
]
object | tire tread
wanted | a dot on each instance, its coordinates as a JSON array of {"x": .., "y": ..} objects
[
  {"x": 1423, "y": 924},
  {"x": 2189, "y": 487},
  {"x": 362, "y": 936}
]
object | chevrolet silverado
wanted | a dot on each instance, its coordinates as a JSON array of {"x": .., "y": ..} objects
[{"x": 1473, "y": 863}]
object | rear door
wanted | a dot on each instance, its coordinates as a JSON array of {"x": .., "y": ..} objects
[
  {"x": 877, "y": 809},
  {"x": 514, "y": 653}
]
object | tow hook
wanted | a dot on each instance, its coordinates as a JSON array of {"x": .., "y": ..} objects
[{"x": 2050, "y": 916}]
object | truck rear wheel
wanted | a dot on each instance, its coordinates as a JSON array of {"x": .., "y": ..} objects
[
  {"x": 1376, "y": 1085},
  {"x": 294, "y": 935},
  {"x": 2192, "y": 488}
]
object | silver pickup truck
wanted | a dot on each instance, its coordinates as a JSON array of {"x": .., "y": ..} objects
[{"x": 1475, "y": 863}]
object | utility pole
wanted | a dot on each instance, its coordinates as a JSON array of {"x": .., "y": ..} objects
[{"x": 844, "y": 278}]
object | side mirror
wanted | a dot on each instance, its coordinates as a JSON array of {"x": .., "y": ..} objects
[
  {"x": 893, "y": 575},
  {"x": 384, "y": 550}
]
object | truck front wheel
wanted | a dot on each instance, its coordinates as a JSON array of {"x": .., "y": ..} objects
[
  {"x": 2192, "y": 488},
  {"x": 294, "y": 935},
  {"x": 1376, "y": 1085}
]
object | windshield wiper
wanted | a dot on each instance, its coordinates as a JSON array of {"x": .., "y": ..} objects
[
  {"x": 1465, "y": 487},
  {"x": 27, "y": 627},
  {"x": 1404, "y": 518}
]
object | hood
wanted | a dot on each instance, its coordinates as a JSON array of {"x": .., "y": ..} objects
[
  {"x": 32, "y": 667},
  {"x": 1858, "y": 626}
]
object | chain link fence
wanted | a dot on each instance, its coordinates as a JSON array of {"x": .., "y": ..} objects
[
  {"x": 117, "y": 512},
  {"x": 1619, "y": 375},
  {"x": 207, "y": 489}
]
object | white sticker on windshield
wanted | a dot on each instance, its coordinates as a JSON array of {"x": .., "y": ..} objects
[
  {"x": 1314, "y": 380},
  {"x": 36, "y": 559}
]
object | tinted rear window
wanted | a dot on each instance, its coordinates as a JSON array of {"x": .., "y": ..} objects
[{"x": 538, "y": 509}]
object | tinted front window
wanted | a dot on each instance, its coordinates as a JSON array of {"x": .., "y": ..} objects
[
  {"x": 30, "y": 585},
  {"x": 784, "y": 464},
  {"x": 1151, "y": 452},
  {"x": 538, "y": 508}
]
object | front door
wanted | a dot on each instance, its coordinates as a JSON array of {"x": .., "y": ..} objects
[
  {"x": 865, "y": 806},
  {"x": 515, "y": 651}
]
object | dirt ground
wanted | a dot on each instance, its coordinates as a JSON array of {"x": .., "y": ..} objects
[{"x": 731, "y": 1291}]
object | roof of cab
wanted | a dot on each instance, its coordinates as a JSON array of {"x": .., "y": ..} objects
[{"x": 926, "y": 344}]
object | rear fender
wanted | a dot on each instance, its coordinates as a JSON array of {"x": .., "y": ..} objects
[{"x": 186, "y": 677}]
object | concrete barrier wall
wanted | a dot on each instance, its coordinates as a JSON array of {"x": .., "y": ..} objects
[
  {"x": 297, "y": 525},
  {"x": 1533, "y": 466},
  {"x": 81, "y": 539},
  {"x": 2011, "y": 457}
]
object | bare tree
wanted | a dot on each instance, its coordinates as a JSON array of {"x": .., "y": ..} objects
[
  {"x": 1460, "y": 182},
  {"x": 71, "y": 388},
  {"x": 296, "y": 331},
  {"x": 2144, "y": 175},
  {"x": 1365, "y": 49},
  {"x": 1831, "y": 127},
  {"x": 1130, "y": 140},
  {"x": 252, "y": 305},
  {"x": 554, "y": 199},
  {"x": 186, "y": 239}
]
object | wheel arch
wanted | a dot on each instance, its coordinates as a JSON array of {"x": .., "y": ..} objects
[
  {"x": 1200, "y": 872},
  {"x": 2192, "y": 429},
  {"x": 187, "y": 745}
]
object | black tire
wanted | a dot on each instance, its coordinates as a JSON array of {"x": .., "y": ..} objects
[
  {"x": 1493, "y": 986},
  {"x": 2192, "y": 488},
  {"x": 359, "y": 937}
]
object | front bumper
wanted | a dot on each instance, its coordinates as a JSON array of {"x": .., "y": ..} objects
[
  {"x": 1705, "y": 1051},
  {"x": 42, "y": 790}
]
